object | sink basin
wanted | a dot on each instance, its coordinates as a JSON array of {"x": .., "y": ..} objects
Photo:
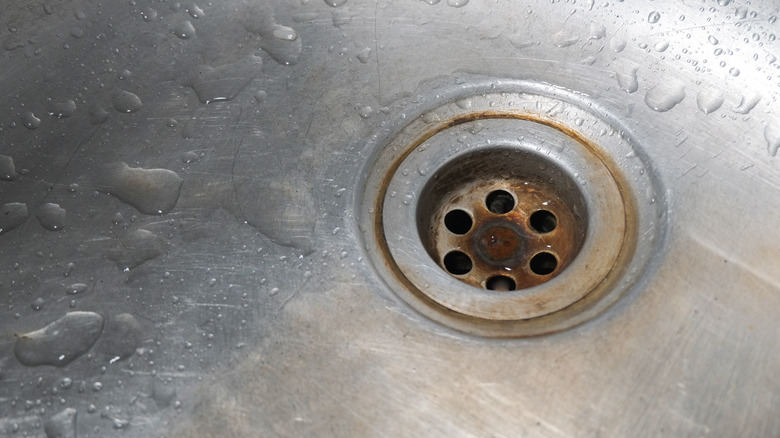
[{"x": 207, "y": 218}]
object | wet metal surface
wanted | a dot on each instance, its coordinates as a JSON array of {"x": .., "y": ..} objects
[{"x": 188, "y": 218}]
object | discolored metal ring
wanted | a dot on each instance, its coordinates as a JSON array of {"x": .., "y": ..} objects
[{"x": 605, "y": 267}]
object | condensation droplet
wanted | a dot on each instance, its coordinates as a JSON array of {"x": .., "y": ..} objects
[
  {"x": 30, "y": 121},
  {"x": 457, "y": 3},
  {"x": 563, "y": 39},
  {"x": 617, "y": 44},
  {"x": 126, "y": 102},
  {"x": 185, "y": 30},
  {"x": 661, "y": 46},
  {"x": 772, "y": 137},
  {"x": 364, "y": 55},
  {"x": 51, "y": 216},
  {"x": 653, "y": 17},
  {"x": 628, "y": 81},
  {"x": 664, "y": 96},
  {"x": 60, "y": 342},
  {"x": 709, "y": 100}
]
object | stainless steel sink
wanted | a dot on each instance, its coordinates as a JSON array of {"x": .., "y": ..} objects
[{"x": 200, "y": 234}]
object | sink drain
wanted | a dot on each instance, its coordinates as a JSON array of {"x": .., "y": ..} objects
[
  {"x": 502, "y": 219},
  {"x": 495, "y": 216}
]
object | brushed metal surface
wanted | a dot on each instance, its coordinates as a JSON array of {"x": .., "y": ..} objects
[{"x": 224, "y": 261}]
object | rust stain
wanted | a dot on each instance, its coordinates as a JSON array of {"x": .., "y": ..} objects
[{"x": 498, "y": 327}]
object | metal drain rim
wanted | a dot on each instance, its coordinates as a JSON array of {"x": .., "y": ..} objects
[
  {"x": 563, "y": 109},
  {"x": 409, "y": 255}
]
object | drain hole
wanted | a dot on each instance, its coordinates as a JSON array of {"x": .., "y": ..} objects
[
  {"x": 500, "y": 202},
  {"x": 543, "y": 263},
  {"x": 457, "y": 263},
  {"x": 543, "y": 221},
  {"x": 458, "y": 221},
  {"x": 500, "y": 283}
]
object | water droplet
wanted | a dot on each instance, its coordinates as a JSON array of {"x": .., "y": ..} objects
[
  {"x": 724, "y": 2},
  {"x": 126, "y": 102},
  {"x": 185, "y": 30},
  {"x": 709, "y": 100},
  {"x": 597, "y": 31},
  {"x": 588, "y": 60},
  {"x": 163, "y": 394},
  {"x": 51, "y": 216},
  {"x": 464, "y": 103},
  {"x": 61, "y": 425},
  {"x": 284, "y": 33},
  {"x": 653, "y": 17},
  {"x": 189, "y": 157},
  {"x": 12, "y": 215},
  {"x": 628, "y": 81},
  {"x": 563, "y": 39},
  {"x": 66, "y": 382},
  {"x": 617, "y": 44},
  {"x": 60, "y": 342},
  {"x": 37, "y": 304},
  {"x": 76, "y": 288},
  {"x": 335, "y": 3},
  {"x": 712, "y": 40},
  {"x": 63, "y": 110},
  {"x": 665, "y": 96},
  {"x": 364, "y": 55},
  {"x": 772, "y": 137},
  {"x": 457, "y": 3},
  {"x": 149, "y": 14},
  {"x": 747, "y": 103},
  {"x": 195, "y": 11},
  {"x": 341, "y": 18},
  {"x": 121, "y": 337},
  {"x": 7, "y": 168},
  {"x": 30, "y": 121},
  {"x": 770, "y": 58},
  {"x": 661, "y": 46},
  {"x": 283, "y": 50},
  {"x": 741, "y": 13},
  {"x": 150, "y": 191},
  {"x": 521, "y": 41},
  {"x": 135, "y": 248},
  {"x": 733, "y": 71},
  {"x": 223, "y": 83},
  {"x": 365, "y": 111}
]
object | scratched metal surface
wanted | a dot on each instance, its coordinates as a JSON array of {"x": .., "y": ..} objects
[{"x": 247, "y": 308}]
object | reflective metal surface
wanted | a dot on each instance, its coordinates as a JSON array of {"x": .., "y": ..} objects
[{"x": 182, "y": 251}]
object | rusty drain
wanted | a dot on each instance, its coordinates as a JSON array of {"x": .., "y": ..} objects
[
  {"x": 499, "y": 232},
  {"x": 498, "y": 218}
]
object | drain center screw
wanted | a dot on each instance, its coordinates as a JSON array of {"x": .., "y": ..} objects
[{"x": 499, "y": 243}]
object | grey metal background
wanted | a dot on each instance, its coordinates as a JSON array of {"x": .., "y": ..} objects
[{"x": 259, "y": 314}]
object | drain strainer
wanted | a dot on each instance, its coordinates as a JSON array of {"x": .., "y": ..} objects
[{"x": 510, "y": 213}]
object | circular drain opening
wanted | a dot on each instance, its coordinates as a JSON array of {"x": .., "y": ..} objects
[
  {"x": 457, "y": 263},
  {"x": 543, "y": 263},
  {"x": 500, "y": 202},
  {"x": 509, "y": 216},
  {"x": 528, "y": 218},
  {"x": 458, "y": 222},
  {"x": 543, "y": 221},
  {"x": 500, "y": 283}
]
